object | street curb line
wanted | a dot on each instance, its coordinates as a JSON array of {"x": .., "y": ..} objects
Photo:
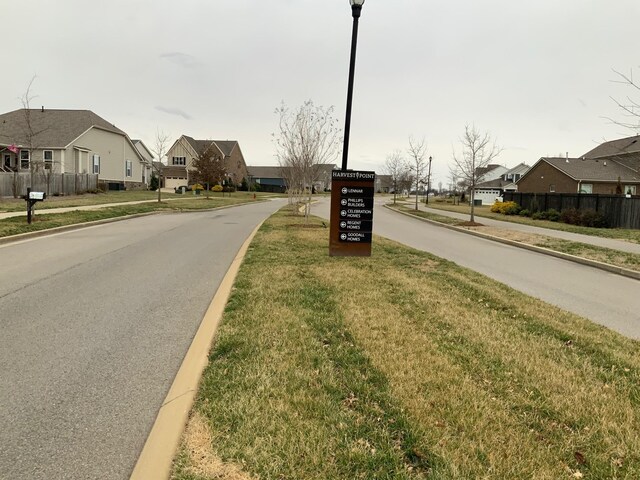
[
  {"x": 625, "y": 272},
  {"x": 156, "y": 458},
  {"x": 77, "y": 226}
]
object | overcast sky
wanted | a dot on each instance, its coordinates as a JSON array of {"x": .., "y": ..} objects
[{"x": 536, "y": 75}]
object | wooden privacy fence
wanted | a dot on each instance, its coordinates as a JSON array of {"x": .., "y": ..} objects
[
  {"x": 16, "y": 184},
  {"x": 618, "y": 210}
]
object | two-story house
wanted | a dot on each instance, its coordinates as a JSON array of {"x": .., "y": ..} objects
[{"x": 183, "y": 153}]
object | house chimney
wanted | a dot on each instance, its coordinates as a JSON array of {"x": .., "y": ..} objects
[
  {"x": 567, "y": 158},
  {"x": 42, "y": 109},
  {"x": 605, "y": 163}
]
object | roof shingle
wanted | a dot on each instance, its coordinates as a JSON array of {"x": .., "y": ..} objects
[{"x": 51, "y": 128}]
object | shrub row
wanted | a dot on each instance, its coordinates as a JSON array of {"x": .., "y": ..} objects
[
  {"x": 572, "y": 216},
  {"x": 506, "y": 208}
]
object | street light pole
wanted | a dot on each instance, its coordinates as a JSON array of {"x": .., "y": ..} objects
[
  {"x": 356, "y": 8},
  {"x": 429, "y": 180}
]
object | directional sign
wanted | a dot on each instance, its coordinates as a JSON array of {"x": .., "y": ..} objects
[{"x": 351, "y": 213}]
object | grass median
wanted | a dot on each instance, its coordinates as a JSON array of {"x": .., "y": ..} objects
[
  {"x": 46, "y": 221},
  {"x": 404, "y": 366}
]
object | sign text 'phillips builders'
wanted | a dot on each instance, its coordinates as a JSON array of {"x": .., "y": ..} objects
[{"x": 351, "y": 213}]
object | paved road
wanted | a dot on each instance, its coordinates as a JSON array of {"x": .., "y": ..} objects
[
  {"x": 574, "y": 237},
  {"x": 95, "y": 324},
  {"x": 605, "y": 298}
]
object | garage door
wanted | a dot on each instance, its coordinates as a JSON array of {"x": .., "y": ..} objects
[{"x": 173, "y": 182}]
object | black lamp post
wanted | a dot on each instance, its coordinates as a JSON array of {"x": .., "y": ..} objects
[
  {"x": 356, "y": 8},
  {"x": 428, "y": 180}
]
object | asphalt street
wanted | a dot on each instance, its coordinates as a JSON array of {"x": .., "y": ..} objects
[
  {"x": 605, "y": 298},
  {"x": 95, "y": 323}
]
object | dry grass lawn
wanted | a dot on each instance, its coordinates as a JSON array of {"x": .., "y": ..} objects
[{"x": 405, "y": 366}]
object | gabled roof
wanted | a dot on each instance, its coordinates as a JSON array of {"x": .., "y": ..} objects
[
  {"x": 496, "y": 183},
  {"x": 590, "y": 169},
  {"x": 139, "y": 144},
  {"x": 520, "y": 168},
  {"x": 615, "y": 147},
  {"x": 51, "y": 128},
  {"x": 226, "y": 146},
  {"x": 199, "y": 146}
]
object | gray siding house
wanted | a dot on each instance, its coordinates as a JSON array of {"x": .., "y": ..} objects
[{"x": 69, "y": 141}]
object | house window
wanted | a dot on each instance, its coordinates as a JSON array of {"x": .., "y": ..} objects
[
  {"x": 24, "y": 159},
  {"x": 96, "y": 164},
  {"x": 128, "y": 168},
  {"x": 552, "y": 188},
  {"x": 630, "y": 189},
  {"x": 179, "y": 160},
  {"x": 47, "y": 156},
  {"x": 586, "y": 188}
]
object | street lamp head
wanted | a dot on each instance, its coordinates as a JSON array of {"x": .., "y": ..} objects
[{"x": 356, "y": 7}]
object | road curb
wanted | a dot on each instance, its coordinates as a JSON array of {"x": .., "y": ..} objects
[
  {"x": 625, "y": 272},
  {"x": 77, "y": 226},
  {"x": 157, "y": 455}
]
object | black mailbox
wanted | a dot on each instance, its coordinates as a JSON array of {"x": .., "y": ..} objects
[{"x": 32, "y": 198}]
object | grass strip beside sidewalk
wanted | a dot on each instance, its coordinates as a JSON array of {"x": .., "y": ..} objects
[
  {"x": 46, "y": 221},
  {"x": 617, "y": 258},
  {"x": 404, "y": 365},
  {"x": 626, "y": 234}
]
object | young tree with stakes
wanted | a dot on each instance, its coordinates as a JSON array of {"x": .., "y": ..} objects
[
  {"x": 307, "y": 140},
  {"x": 160, "y": 150},
  {"x": 418, "y": 164},
  {"x": 396, "y": 167},
  {"x": 478, "y": 150}
]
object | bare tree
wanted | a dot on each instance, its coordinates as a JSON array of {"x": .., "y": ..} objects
[
  {"x": 478, "y": 150},
  {"x": 418, "y": 164},
  {"x": 396, "y": 167},
  {"x": 160, "y": 150},
  {"x": 630, "y": 107},
  {"x": 308, "y": 138},
  {"x": 28, "y": 144}
]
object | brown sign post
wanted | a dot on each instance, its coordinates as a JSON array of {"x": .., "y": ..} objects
[{"x": 351, "y": 213}]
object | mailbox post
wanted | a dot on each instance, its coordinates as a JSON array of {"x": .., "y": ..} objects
[{"x": 32, "y": 198}]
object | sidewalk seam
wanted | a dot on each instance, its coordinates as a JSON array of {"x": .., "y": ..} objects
[{"x": 625, "y": 272}]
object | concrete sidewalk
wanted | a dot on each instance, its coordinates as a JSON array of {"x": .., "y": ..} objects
[
  {"x": 611, "y": 243},
  {"x": 84, "y": 207}
]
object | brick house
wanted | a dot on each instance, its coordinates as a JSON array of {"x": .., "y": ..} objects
[
  {"x": 583, "y": 175},
  {"x": 183, "y": 153}
]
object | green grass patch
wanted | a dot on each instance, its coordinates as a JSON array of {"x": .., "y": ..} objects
[{"x": 404, "y": 366}]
